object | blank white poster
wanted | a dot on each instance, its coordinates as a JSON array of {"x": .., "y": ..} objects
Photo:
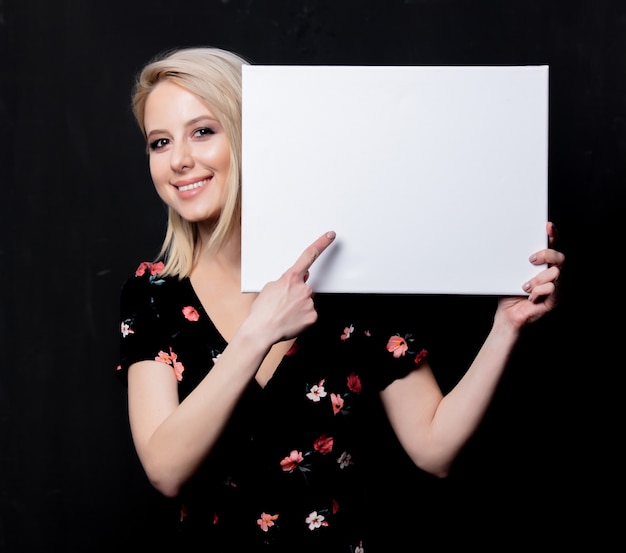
[{"x": 434, "y": 178}]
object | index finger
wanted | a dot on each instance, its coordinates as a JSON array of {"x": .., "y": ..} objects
[{"x": 308, "y": 257}]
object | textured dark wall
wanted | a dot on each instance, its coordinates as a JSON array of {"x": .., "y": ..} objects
[{"x": 79, "y": 212}]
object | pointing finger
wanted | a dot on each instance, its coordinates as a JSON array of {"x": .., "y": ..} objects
[{"x": 308, "y": 257}]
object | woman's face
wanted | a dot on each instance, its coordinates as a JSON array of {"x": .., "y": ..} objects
[{"x": 189, "y": 152}]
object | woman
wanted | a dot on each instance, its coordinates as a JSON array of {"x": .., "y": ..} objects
[{"x": 252, "y": 411}]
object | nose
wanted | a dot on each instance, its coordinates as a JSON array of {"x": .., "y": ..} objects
[{"x": 181, "y": 156}]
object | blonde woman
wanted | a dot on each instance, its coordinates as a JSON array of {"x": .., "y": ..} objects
[{"x": 251, "y": 411}]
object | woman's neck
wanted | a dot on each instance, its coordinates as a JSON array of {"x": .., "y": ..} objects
[{"x": 227, "y": 260}]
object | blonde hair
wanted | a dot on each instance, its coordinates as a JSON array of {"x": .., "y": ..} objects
[{"x": 214, "y": 75}]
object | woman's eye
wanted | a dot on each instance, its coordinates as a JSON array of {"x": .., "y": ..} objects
[
  {"x": 204, "y": 131},
  {"x": 158, "y": 143}
]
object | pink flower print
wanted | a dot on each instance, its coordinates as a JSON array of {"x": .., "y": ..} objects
[
  {"x": 315, "y": 520},
  {"x": 347, "y": 332},
  {"x": 345, "y": 460},
  {"x": 126, "y": 330},
  {"x": 152, "y": 268},
  {"x": 178, "y": 370},
  {"x": 317, "y": 392},
  {"x": 183, "y": 512},
  {"x": 337, "y": 402},
  {"x": 335, "y": 507},
  {"x": 143, "y": 267},
  {"x": 293, "y": 461},
  {"x": 190, "y": 313},
  {"x": 367, "y": 332},
  {"x": 324, "y": 444},
  {"x": 164, "y": 357},
  {"x": 397, "y": 345},
  {"x": 215, "y": 518},
  {"x": 421, "y": 355},
  {"x": 156, "y": 268},
  {"x": 293, "y": 349},
  {"x": 171, "y": 359},
  {"x": 354, "y": 383},
  {"x": 359, "y": 548},
  {"x": 266, "y": 521}
]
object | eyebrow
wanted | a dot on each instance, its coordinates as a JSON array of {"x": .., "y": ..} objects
[{"x": 189, "y": 123}]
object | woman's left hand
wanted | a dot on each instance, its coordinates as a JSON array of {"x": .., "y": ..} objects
[{"x": 542, "y": 289}]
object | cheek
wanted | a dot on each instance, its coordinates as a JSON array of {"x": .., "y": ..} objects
[
  {"x": 158, "y": 171},
  {"x": 159, "y": 176},
  {"x": 217, "y": 154}
]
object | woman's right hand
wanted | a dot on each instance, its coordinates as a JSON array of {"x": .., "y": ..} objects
[{"x": 284, "y": 307}]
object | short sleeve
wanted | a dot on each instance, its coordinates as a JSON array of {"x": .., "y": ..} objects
[
  {"x": 392, "y": 350},
  {"x": 142, "y": 327},
  {"x": 379, "y": 335},
  {"x": 403, "y": 334}
]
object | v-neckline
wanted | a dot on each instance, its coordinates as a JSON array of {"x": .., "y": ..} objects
[{"x": 262, "y": 377}]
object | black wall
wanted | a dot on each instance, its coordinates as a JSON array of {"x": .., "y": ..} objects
[{"x": 79, "y": 212}]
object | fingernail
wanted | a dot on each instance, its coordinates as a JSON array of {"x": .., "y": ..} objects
[
  {"x": 526, "y": 286},
  {"x": 331, "y": 235},
  {"x": 533, "y": 258}
]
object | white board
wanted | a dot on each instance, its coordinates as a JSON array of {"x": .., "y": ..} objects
[{"x": 434, "y": 178}]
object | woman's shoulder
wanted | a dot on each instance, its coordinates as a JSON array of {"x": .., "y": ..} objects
[
  {"x": 148, "y": 285},
  {"x": 148, "y": 273}
]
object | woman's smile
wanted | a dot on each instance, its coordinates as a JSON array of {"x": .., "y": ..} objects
[{"x": 192, "y": 186}]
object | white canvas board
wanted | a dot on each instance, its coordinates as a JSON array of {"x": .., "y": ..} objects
[{"x": 434, "y": 178}]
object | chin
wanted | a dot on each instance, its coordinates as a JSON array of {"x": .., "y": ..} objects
[{"x": 200, "y": 218}]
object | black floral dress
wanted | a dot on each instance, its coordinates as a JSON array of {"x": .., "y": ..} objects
[{"x": 289, "y": 471}]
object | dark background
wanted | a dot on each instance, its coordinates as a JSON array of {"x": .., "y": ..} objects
[{"x": 79, "y": 213}]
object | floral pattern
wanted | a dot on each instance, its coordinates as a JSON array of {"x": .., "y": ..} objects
[
  {"x": 266, "y": 521},
  {"x": 171, "y": 359},
  {"x": 290, "y": 466}
]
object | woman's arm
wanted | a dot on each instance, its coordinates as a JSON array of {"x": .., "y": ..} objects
[
  {"x": 433, "y": 428},
  {"x": 173, "y": 439}
]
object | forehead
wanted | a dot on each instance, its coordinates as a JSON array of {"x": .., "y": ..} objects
[{"x": 170, "y": 102}]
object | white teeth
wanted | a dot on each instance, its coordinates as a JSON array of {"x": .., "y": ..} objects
[{"x": 191, "y": 186}]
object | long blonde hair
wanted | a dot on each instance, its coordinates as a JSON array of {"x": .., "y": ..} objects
[{"x": 214, "y": 75}]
